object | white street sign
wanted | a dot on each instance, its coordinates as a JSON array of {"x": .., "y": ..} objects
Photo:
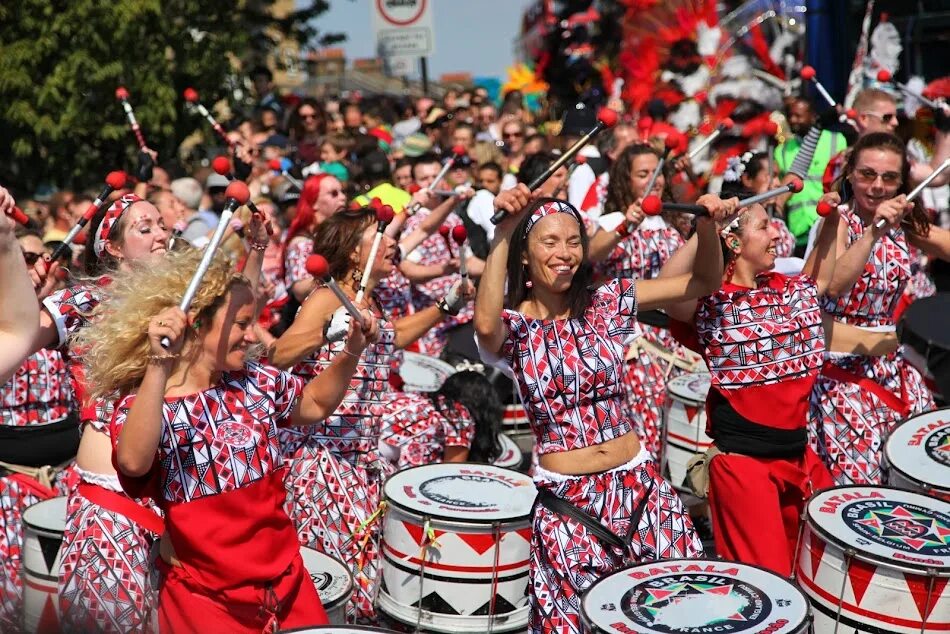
[{"x": 403, "y": 28}]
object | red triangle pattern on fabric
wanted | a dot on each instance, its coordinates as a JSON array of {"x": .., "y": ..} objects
[
  {"x": 860, "y": 574},
  {"x": 919, "y": 585}
]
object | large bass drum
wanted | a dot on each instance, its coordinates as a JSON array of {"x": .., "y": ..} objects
[{"x": 917, "y": 454}]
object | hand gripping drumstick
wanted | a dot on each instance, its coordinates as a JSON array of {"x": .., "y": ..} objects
[
  {"x": 222, "y": 165},
  {"x": 917, "y": 191},
  {"x": 123, "y": 96},
  {"x": 724, "y": 125},
  {"x": 277, "y": 165},
  {"x": 668, "y": 145},
  {"x": 114, "y": 180},
  {"x": 18, "y": 216},
  {"x": 191, "y": 96},
  {"x": 459, "y": 235},
  {"x": 237, "y": 194},
  {"x": 317, "y": 266},
  {"x": 384, "y": 215},
  {"x": 808, "y": 74},
  {"x": 606, "y": 118},
  {"x": 652, "y": 205},
  {"x": 884, "y": 76}
]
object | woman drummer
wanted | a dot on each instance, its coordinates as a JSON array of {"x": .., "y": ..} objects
[
  {"x": 195, "y": 428},
  {"x": 564, "y": 344},
  {"x": 859, "y": 398},
  {"x": 335, "y": 469},
  {"x": 750, "y": 172}
]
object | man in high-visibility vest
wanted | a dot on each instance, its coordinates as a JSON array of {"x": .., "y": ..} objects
[{"x": 800, "y": 213}]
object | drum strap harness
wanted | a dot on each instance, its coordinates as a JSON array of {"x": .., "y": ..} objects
[
  {"x": 562, "y": 507},
  {"x": 112, "y": 501},
  {"x": 896, "y": 403},
  {"x": 42, "y": 476}
]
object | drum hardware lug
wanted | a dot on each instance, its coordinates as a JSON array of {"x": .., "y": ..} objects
[
  {"x": 932, "y": 576},
  {"x": 496, "y": 535},
  {"x": 798, "y": 540},
  {"x": 848, "y": 556}
]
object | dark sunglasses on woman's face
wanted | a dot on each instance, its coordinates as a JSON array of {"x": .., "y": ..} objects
[{"x": 31, "y": 258}]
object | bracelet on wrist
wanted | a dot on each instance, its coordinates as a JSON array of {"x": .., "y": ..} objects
[
  {"x": 350, "y": 354},
  {"x": 158, "y": 359},
  {"x": 258, "y": 246}
]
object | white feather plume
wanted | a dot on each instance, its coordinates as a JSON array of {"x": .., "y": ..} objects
[
  {"x": 707, "y": 38},
  {"x": 686, "y": 115},
  {"x": 885, "y": 48},
  {"x": 912, "y": 104}
]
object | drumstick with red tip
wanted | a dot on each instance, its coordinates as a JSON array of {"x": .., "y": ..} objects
[
  {"x": 317, "y": 266},
  {"x": 460, "y": 235},
  {"x": 191, "y": 96},
  {"x": 123, "y": 96},
  {"x": 445, "y": 232},
  {"x": 17, "y": 215},
  {"x": 277, "y": 165},
  {"x": 884, "y": 76},
  {"x": 384, "y": 215},
  {"x": 724, "y": 125},
  {"x": 177, "y": 230},
  {"x": 606, "y": 118},
  {"x": 808, "y": 74},
  {"x": 825, "y": 208},
  {"x": 652, "y": 205},
  {"x": 237, "y": 194},
  {"x": 114, "y": 180},
  {"x": 917, "y": 191},
  {"x": 668, "y": 145},
  {"x": 222, "y": 166}
]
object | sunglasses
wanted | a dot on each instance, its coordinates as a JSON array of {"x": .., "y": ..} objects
[
  {"x": 31, "y": 258},
  {"x": 867, "y": 175},
  {"x": 512, "y": 135},
  {"x": 308, "y": 116},
  {"x": 885, "y": 118}
]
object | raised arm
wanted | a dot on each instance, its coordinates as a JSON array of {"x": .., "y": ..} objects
[
  {"x": 490, "y": 301},
  {"x": 19, "y": 310},
  {"x": 851, "y": 259},
  {"x": 324, "y": 393},
  {"x": 820, "y": 265},
  {"x": 431, "y": 223},
  {"x": 305, "y": 334},
  {"x": 705, "y": 275},
  {"x": 603, "y": 242}
]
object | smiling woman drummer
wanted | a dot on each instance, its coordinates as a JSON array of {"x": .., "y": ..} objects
[{"x": 601, "y": 499}]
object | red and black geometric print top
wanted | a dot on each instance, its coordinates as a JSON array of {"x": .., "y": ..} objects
[
  {"x": 421, "y": 429},
  {"x": 643, "y": 253},
  {"x": 218, "y": 475},
  {"x": 569, "y": 371},
  {"x": 39, "y": 393},
  {"x": 872, "y": 299},
  {"x": 352, "y": 431},
  {"x": 71, "y": 307},
  {"x": 764, "y": 346}
]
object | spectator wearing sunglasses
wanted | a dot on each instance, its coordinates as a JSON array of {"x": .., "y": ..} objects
[{"x": 877, "y": 112}]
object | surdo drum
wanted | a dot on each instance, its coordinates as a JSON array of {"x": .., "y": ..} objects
[
  {"x": 333, "y": 582},
  {"x": 456, "y": 540},
  {"x": 684, "y": 424},
  {"x": 917, "y": 454},
  {"x": 694, "y": 595},
  {"x": 336, "y": 629},
  {"x": 43, "y": 526},
  {"x": 876, "y": 559},
  {"x": 420, "y": 373}
]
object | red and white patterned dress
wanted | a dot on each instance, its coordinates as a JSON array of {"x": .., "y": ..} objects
[
  {"x": 849, "y": 421},
  {"x": 785, "y": 247},
  {"x": 39, "y": 394},
  {"x": 295, "y": 261},
  {"x": 104, "y": 581},
  {"x": 435, "y": 251},
  {"x": 569, "y": 376},
  {"x": 764, "y": 348},
  {"x": 641, "y": 255},
  {"x": 218, "y": 476},
  {"x": 333, "y": 485},
  {"x": 416, "y": 429}
]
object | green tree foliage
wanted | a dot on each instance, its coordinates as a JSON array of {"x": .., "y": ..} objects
[{"x": 61, "y": 61}]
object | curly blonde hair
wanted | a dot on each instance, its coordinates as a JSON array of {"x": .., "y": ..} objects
[{"x": 115, "y": 347}]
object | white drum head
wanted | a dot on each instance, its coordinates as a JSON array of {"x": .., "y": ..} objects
[
  {"x": 336, "y": 629},
  {"x": 332, "y": 579},
  {"x": 900, "y": 528},
  {"x": 423, "y": 374},
  {"x": 510, "y": 457},
  {"x": 462, "y": 492},
  {"x": 691, "y": 388},
  {"x": 48, "y": 516},
  {"x": 920, "y": 449},
  {"x": 694, "y": 595}
]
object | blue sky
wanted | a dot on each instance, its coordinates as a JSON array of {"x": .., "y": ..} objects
[{"x": 474, "y": 36}]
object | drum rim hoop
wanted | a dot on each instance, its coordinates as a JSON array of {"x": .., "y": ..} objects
[
  {"x": 890, "y": 462},
  {"x": 861, "y": 555},
  {"x": 350, "y": 586},
  {"x": 456, "y": 520},
  {"x": 46, "y": 529},
  {"x": 594, "y": 627}
]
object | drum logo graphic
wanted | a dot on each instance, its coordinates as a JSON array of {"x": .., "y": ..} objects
[
  {"x": 465, "y": 491},
  {"x": 901, "y": 525},
  {"x": 697, "y": 603},
  {"x": 937, "y": 446}
]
